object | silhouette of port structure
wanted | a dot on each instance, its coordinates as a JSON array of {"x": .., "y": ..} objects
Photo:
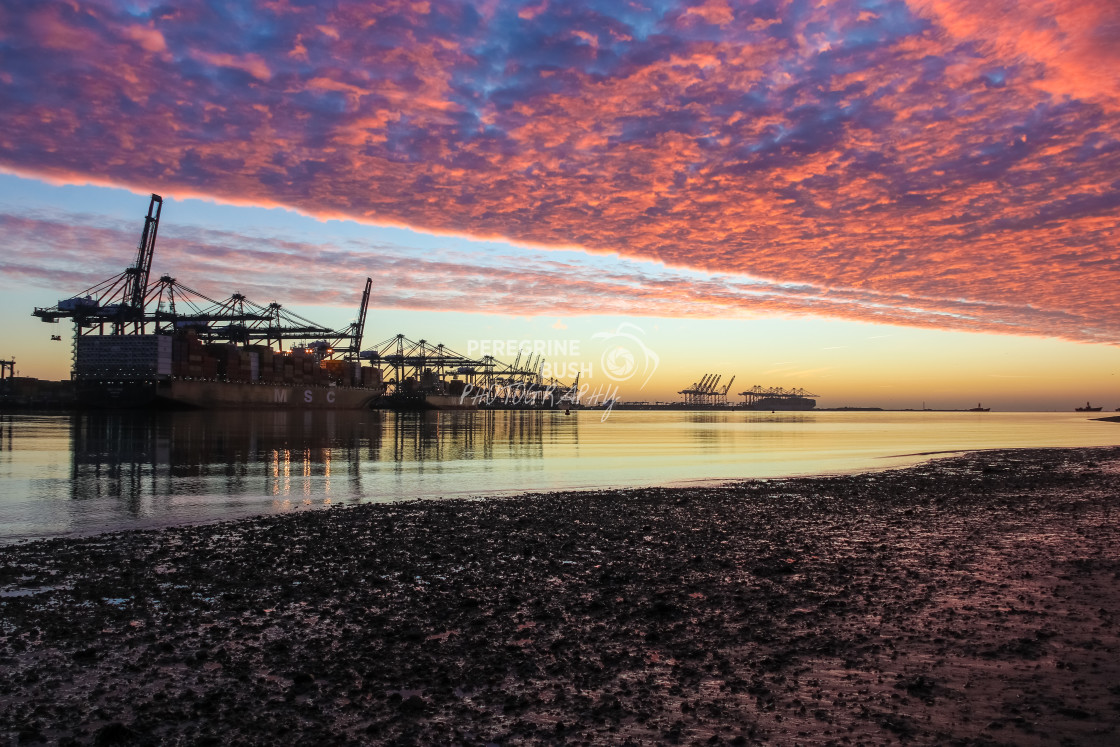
[{"x": 707, "y": 392}]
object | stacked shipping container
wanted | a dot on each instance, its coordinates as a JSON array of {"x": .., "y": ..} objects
[{"x": 187, "y": 357}]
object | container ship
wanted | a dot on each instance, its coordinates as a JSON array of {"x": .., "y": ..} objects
[
  {"x": 127, "y": 371},
  {"x": 145, "y": 343},
  {"x": 421, "y": 376},
  {"x": 150, "y": 344},
  {"x": 778, "y": 399}
]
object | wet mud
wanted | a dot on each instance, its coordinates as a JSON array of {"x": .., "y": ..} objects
[{"x": 970, "y": 600}]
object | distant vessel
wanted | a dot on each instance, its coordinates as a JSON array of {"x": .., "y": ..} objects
[
  {"x": 1087, "y": 408},
  {"x": 777, "y": 398},
  {"x": 979, "y": 408},
  {"x": 429, "y": 392}
]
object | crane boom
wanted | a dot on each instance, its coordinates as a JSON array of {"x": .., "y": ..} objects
[
  {"x": 136, "y": 282},
  {"x": 360, "y": 325}
]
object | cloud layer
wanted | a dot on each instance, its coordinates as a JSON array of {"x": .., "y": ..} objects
[
  {"x": 929, "y": 162},
  {"x": 64, "y": 255}
]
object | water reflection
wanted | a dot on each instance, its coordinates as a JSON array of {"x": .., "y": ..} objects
[
  {"x": 6, "y": 432},
  {"x": 130, "y": 455},
  {"x": 98, "y": 471},
  {"x": 133, "y": 456}
]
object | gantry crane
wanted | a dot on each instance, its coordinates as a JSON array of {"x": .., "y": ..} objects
[
  {"x": 120, "y": 301},
  {"x": 706, "y": 392}
]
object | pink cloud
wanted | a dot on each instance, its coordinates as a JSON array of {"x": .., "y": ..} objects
[
  {"x": 65, "y": 256},
  {"x": 251, "y": 63},
  {"x": 928, "y": 163}
]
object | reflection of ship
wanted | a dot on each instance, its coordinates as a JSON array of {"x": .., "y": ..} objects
[
  {"x": 979, "y": 408},
  {"x": 138, "y": 344},
  {"x": 1087, "y": 408}
]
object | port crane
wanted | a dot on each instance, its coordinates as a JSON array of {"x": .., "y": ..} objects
[
  {"x": 757, "y": 395},
  {"x": 706, "y": 392},
  {"x": 346, "y": 343},
  {"x": 131, "y": 303},
  {"x": 418, "y": 365},
  {"x": 118, "y": 303}
]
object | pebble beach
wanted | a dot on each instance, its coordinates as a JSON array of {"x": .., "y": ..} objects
[{"x": 972, "y": 599}]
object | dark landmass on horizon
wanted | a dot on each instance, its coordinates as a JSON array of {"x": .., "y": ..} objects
[{"x": 971, "y": 600}]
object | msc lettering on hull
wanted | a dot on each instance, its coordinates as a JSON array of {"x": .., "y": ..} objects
[{"x": 280, "y": 396}]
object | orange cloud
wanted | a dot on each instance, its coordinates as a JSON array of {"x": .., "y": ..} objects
[
  {"x": 926, "y": 163},
  {"x": 64, "y": 255},
  {"x": 1074, "y": 41}
]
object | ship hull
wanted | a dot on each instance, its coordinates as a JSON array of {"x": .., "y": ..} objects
[
  {"x": 213, "y": 395},
  {"x": 415, "y": 402},
  {"x": 791, "y": 404}
]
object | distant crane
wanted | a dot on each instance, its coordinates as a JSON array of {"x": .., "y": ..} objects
[
  {"x": 705, "y": 393},
  {"x": 726, "y": 389}
]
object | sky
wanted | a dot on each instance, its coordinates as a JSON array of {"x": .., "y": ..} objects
[{"x": 884, "y": 203}]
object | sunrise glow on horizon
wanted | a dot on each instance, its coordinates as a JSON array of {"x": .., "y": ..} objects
[{"x": 891, "y": 204}]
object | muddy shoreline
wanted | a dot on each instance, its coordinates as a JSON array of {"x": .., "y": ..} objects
[{"x": 971, "y": 600}]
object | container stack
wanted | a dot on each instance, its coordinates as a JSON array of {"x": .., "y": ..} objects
[
  {"x": 124, "y": 356},
  {"x": 371, "y": 377}
]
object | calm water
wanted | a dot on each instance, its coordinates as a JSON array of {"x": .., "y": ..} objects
[{"x": 80, "y": 474}]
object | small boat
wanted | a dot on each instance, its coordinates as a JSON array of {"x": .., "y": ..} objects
[
  {"x": 1087, "y": 408},
  {"x": 979, "y": 408}
]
